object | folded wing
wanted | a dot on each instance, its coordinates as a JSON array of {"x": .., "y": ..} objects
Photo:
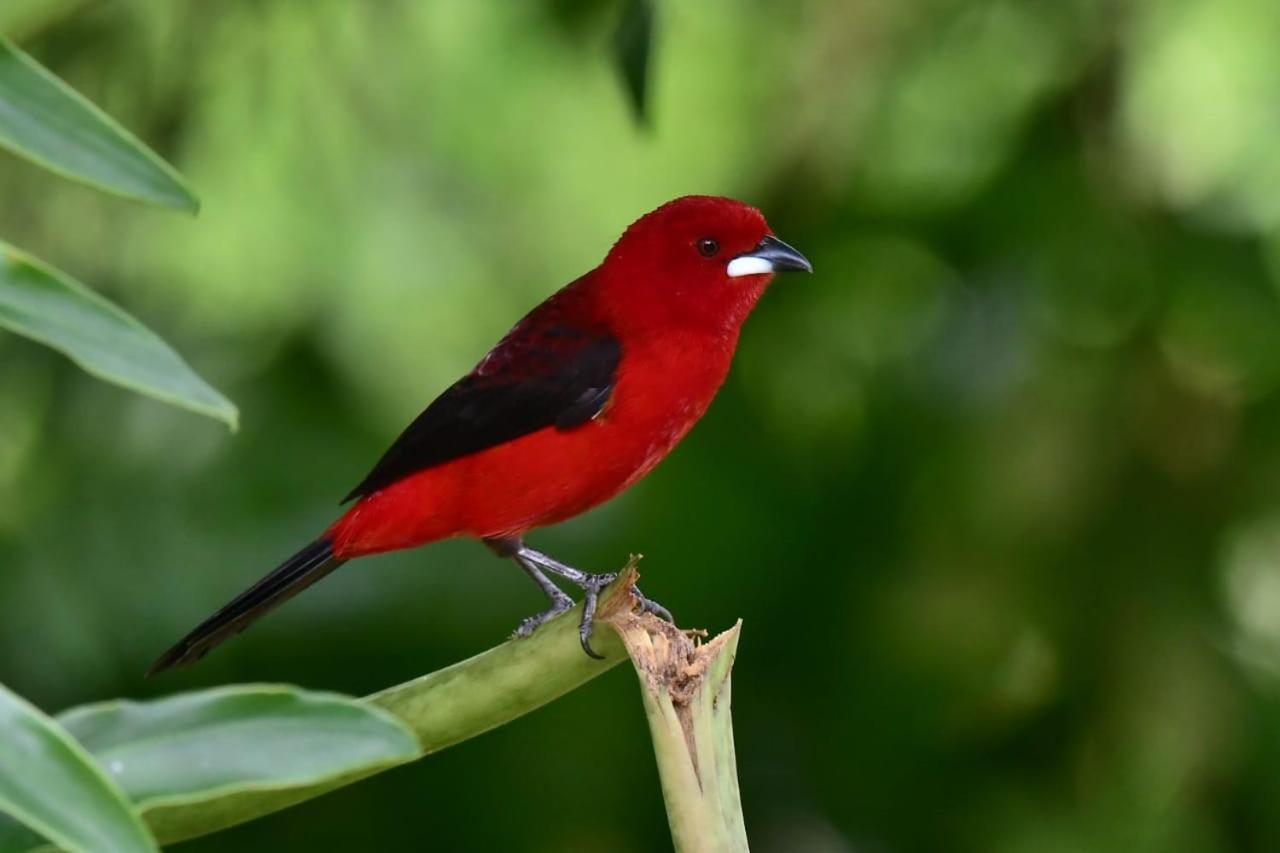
[{"x": 543, "y": 374}]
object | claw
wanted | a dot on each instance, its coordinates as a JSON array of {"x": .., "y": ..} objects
[
  {"x": 648, "y": 605},
  {"x": 584, "y": 637}
]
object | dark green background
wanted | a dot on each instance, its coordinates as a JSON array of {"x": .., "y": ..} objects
[{"x": 996, "y": 491}]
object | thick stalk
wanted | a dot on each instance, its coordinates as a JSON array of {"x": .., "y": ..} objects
[{"x": 685, "y": 686}]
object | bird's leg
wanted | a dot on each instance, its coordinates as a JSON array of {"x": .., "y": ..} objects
[
  {"x": 559, "y": 601},
  {"x": 591, "y": 585},
  {"x": 574, "y": 576}
]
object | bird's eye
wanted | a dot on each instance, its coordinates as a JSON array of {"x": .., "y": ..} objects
[{"x": 708, "y": 247}]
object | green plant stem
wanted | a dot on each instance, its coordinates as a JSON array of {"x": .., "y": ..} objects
[
  {"x": 686, "y": 691},
  {"x": 482, "y": 693}
]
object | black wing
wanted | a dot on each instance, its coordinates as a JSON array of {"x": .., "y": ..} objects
[{"x": 560, "y": 377}]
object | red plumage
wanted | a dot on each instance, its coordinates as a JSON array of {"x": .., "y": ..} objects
[{"x": 581, "y": 399}]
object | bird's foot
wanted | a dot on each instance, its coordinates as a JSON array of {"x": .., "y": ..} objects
[
  {"x": 591, "y": 587},
  {"x": 535, "y": 564},
  {"x": 559, "y": 604}
]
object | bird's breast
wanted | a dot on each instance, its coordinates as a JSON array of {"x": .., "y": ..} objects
[{"x": 664, "y": 387}]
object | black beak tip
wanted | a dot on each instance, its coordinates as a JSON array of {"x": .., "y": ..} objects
[{"x": 784, "y": 257}]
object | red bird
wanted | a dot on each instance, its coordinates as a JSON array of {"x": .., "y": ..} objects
[{"x": 587, "y": 393}]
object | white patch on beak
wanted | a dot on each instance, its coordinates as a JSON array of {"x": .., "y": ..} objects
[{"x": 749, "y": 265}]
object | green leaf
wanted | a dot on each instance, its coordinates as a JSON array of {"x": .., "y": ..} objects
[
  {"x": 192, "y": 760},
  {"x": 48, "y": 122},
  {"x": 633, "y": 49},
  {"x": 49, "y": 783},
  {"x": 41, "y": 303}
]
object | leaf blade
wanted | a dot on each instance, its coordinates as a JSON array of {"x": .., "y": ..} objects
[
  {"x": 41, "y": 303},
  {"x": 186, "y": 759},
  {"x": 49, "y": 123},
  {"x": 49, "y": 783}
]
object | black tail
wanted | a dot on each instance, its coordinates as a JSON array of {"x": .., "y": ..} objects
[{"x": 287, "y": 580}]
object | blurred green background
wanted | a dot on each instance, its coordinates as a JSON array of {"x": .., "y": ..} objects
[{"x": 996, "y": 491}]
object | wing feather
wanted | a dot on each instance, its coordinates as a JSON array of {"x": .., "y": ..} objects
[{"x": 559, "y": 376}]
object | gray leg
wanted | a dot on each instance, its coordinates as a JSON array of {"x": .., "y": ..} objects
[
  {"x": 559, "y": 601},
  {"x": 580, "y": 578}
]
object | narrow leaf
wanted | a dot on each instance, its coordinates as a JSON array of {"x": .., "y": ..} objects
[
  {"x": 41, "y": 303},
  {"x": 633, "y": 49},
  {"x": 48, "y": 122},
  {"x": 49, "y": 783}
]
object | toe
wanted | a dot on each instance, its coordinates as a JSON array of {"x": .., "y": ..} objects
[
  {"x": 658, "y": 610},
  {"x": 585, "y": 637},
  {"x": 648, "y": 605}
]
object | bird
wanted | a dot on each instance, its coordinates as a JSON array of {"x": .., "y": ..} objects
[{"x": 576, "y": 403}]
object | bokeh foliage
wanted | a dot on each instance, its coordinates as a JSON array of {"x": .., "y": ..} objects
[
  {"x": 55, "y": 127},
  {"x": 996, "y": 491}
]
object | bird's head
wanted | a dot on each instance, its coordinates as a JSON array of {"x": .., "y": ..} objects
[{"x": 696, "y": 261}]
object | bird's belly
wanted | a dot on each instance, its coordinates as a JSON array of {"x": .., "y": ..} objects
[{"x": 553, "y": 475}]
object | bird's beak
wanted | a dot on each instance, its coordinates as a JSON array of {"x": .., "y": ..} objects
[{"x": 772, "y": 255}]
